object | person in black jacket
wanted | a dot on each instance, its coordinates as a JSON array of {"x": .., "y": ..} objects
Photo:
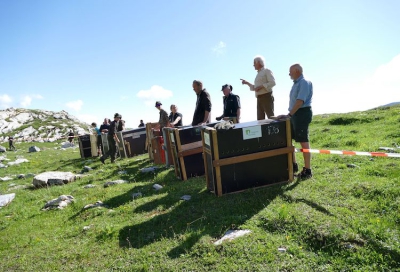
[
  {"x": 112, "y": 140},
  {"x": 202, "y": 113},
  {"x": 231, "y": 105},
  {"x": 11, "y": 143}
]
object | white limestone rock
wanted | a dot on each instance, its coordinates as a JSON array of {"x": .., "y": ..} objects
[
  {"x": 17, "y": 161},
  {"x": 6, "y": 199},
  {"x": 66, "y": 145},
  {"x": 59, "y": 203},
  {"x": 232, "y": 234},
  {"x": 115, "y": 182},
  {"x": 95, "y": 205},
  {"x": 6, "y": 178},
  {"x": 55, "y": 177}
]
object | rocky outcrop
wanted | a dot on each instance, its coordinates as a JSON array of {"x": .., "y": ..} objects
[{"x": 39, "y": 125}]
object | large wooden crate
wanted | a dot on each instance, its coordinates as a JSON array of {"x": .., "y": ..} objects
[
  {"x": 187, "y": 148},
  {"x": 88, "y": 145},
  {"x": 252, "y": 154},
  {"x": 134, "y": 141}
]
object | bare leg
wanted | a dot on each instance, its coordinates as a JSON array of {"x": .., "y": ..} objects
[{"x": 306, "y": 156}]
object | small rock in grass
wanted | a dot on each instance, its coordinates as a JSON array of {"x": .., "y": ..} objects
[
  {"x": 157, "y": 187},
  {"x": 136, "y": 195},
  {"x": 186, "y": 197}
]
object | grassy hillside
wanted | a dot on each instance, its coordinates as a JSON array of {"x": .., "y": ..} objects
[{"x": 344, "y": 218}]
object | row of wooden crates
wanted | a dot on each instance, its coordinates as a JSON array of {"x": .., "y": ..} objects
[
  {"x": 252, "y": 154},
  {"x": 131, "y": 143}
]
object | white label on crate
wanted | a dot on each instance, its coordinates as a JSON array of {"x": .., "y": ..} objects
[
  {"x": 171, "y": 135},
  {"x": 251, "y": 132},
  {"x": 206, "y": 139}
]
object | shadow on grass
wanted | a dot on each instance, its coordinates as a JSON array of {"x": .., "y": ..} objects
[
  {"x": 307, "y": 202},
  {"x": 204, "y": 215}
]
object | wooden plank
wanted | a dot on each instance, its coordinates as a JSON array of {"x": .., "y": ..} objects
[
  {"x": 181, "y": 159},
  {"x": 268, "y": 185},
  {"x": 193, "y": 145},
  {"x": 190, "y": 152},
  {"x": 216, "y": 158},
  {"x": 251, "y": 157},
  {"x": 290, "y": 155}
]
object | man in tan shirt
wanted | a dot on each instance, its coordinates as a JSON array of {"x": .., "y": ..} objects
[{"x": 262, "y": 87}]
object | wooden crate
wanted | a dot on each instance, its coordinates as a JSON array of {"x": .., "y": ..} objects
[
  {"x": 134, "y": 141},
  {"x": 252, "y": 154},
  {"x": 187, "y": 149},
  {"x": 88, "y": 145}
]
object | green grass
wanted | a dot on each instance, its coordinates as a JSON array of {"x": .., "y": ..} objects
[{"x": 343, "y": 219}]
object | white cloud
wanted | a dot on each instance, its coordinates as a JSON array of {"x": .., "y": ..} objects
[
  {"x": 220, "y": 48},
  {"x": 379, "y": 89},
  {"x": 75, "y": 105},
  {"x": 155, "y": 93},
  {"x": 27, "y": 99},
  {"x": 5, "y": 100}
]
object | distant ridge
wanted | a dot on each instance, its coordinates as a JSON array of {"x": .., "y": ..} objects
[{"x": 389, "y": 105}]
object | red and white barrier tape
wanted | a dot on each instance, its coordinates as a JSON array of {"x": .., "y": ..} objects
[{"x": 350, "y": 153}]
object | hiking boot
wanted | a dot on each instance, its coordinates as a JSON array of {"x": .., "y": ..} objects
[
  {"x": 305, "y": 174},
  {"x": 102, "y": 160},
  {"x": 295, "y": 167}
]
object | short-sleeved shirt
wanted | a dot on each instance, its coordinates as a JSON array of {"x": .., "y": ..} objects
[
  {"x": 172, "y": 117},
  {"x": 203, "y": 104},
  {"x": 302, "y": 89},
  {"x": 163, "y": 118},
  {"x": 231, "y": 105}
]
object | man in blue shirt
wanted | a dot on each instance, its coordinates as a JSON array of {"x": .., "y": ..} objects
[{"x": 300, "y": 114}]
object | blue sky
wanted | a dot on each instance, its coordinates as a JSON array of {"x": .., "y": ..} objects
[{"x": 93, "y": 58}]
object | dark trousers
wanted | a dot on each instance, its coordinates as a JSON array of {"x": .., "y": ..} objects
[
  {"x": 113, "y": 148},
  {"x": 265, "y": 106},
  {"x": 11, "y": 146}
]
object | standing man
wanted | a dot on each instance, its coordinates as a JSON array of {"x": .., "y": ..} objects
[
  {"x": 202, "y": 112},
  {"x": 112, "y": 140},
  {"x": 141, "y": 124},
  {"x": 163, "y": 120},
  {"x": 300, "y": 114},
  {"x": 231, "y": 105},
  {"x": 262, "y": 87},
  {"x": 11, "y": 143},
  {"x": 71, "y": 137},
  {"x": 175, "y": 118}
]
